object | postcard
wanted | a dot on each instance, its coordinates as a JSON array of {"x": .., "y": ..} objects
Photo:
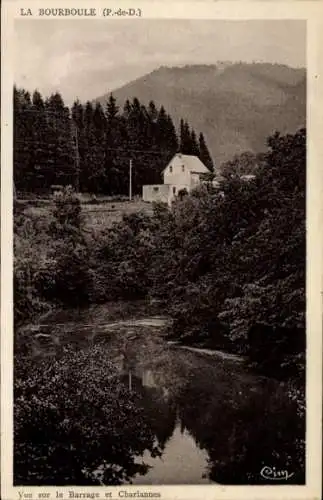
[{"x": 161, "y": 202}]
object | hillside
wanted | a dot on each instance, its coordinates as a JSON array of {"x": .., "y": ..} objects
[{"x": 236, "y": 105}]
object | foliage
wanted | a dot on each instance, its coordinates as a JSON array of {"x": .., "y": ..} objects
[
  {"x": 219, "y": 261},
  {"x": 51, "y": 259},
  {"x": 31, "y": 244},
  {"x": 70, "y": 252},
  {"x": 43, "y": 143},
  {"x": 67, "y": 219},
  {"x": 89, "y": 146},
  {"x": 205, "y": 156},
  {"x": 76, "y": 430},
  {"x": 245, "y": 164},
  {"x": 237, "y": 255},
  {"x": 228, "y": 266},
  {"x": 237, "y": 424},
  {"x": 121, "y": 259}
]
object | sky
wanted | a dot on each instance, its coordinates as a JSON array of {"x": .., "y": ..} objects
[{"x": 87, "y": 58}]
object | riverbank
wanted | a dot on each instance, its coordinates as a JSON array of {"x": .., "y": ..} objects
[
  {"x": 88, "y": 317},
  {"x": 96, "y": 322},
  {"x": 203, "y": 275},
  {"x": 174, "y": 408},
  {"x": 124, "y": 326},
  {"x": 209, "y": 352}
]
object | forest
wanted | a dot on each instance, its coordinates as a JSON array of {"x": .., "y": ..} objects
[
  {"x": 220, "y": 261},
  {"x": 227, "y": 264},
  {"x": 89, "y": 146}
]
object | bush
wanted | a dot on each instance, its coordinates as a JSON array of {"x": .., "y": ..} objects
[
  {"x": 70, "y": 282},
  {"x": 67, "y": 214},
  {"x": 30, "y": 258},
  {"x": 28, "y": 303},
  {"x": 233, "y": 256},
  {"x": 76, "y": 423}
]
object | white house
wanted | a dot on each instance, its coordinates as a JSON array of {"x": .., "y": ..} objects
[{"x": 182, "y": 172}]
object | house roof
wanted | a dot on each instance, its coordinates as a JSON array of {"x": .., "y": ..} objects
[{"x": 192, "y": 163}]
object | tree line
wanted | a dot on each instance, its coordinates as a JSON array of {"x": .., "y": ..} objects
[
  {"x": 227, "y": 264},
  {"x": 89, "y": 145},
  {"x": 220, "y": 261}
]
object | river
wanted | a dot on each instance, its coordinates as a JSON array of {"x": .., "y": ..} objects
[{"x": 213, "y": 419}]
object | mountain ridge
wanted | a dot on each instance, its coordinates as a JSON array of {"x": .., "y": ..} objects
[{"x": 236, "y": 105}]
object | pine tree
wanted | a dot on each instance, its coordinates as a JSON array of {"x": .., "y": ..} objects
[
  {"x": 127, "y": 109},
  {"x": 98, "y": 134},
  {"x": 99, "y": 119},
  {"x": 43, "y": 174},
  {"x": 60, "y": 142},
  {"x": 51, "y": 142},
  {"x": 93, "y": 178},
  {"x": 112, "y": 110},
  {"x": 144, "y": 164},
  {"x": 172, "y": 136},
  {"x": 185, "y": 138},
  {"x": 194, "y": 145},
  {"x": 77, "y": 118},
  {"x": 37, "y": 101},
  {"x": 87, "y": 158},
  {"x": 152, "y": 116},
  {"x": 113, "y": 142},
  {"x": 23, "y": 140},
  {"x": 77, "y": 113},
  {"x": 162, "y": 129},
  {"x": 166, "y": 133},
  {"x": 152, "y": 111},
  {"x": 204, "y": 155},
  {"x": 181, "y": 135}
]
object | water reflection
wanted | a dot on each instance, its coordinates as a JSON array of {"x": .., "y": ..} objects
[
  {"x": 181, "y": 462},
  {"x": 214, "y": 421},
  {"x": 210, "y": 419}
]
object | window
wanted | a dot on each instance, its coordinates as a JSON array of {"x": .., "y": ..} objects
[
  {"x": 174, "y": 190},
  {"x": 156, "y": 189},
  {"x": 183, "y": 168},
  {"x": 170, "y": 169}
]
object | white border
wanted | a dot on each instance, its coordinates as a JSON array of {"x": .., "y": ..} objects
[{"x": 313, "y": 12}]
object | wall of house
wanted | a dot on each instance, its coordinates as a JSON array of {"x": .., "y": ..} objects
[
  {"x": 195, "y": 180},
  {"x": 156, "y": 192},
  {"x": 174, "y": 173},
  {"x": 165, "y": 193},
  {"x": 177, "y": 176}
]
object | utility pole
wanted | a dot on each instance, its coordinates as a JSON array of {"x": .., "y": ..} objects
[{"x": 130, "y": 180}]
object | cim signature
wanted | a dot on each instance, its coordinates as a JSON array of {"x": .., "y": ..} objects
[{"x": 275, "y": 474}]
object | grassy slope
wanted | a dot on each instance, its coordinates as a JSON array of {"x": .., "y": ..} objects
[{"x": 97, "y": 216}]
